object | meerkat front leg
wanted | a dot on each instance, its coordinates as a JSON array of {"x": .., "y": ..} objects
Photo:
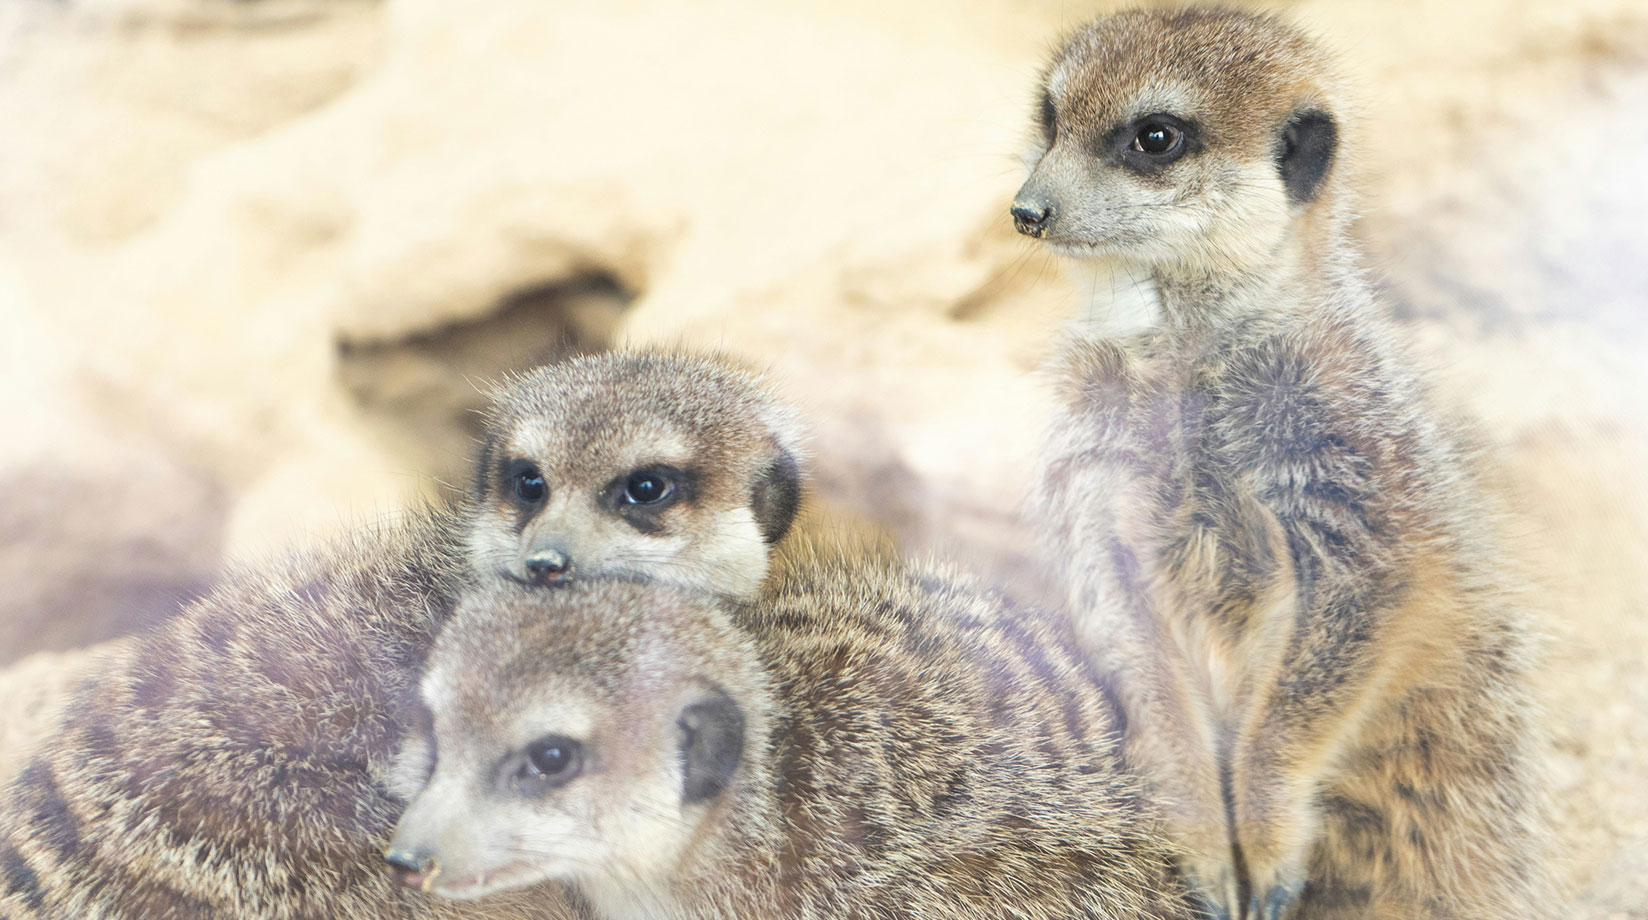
[
  {"x": 1318, "y": 455},
  {"x": 1112, "y": 483}
]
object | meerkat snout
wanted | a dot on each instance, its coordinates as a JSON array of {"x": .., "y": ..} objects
[
  {"x": 647, "y": 466},
  {"x": 1031, "y": 214},
  {"x": 412, "y": 869},
  {"x": 548, "y": 566}
]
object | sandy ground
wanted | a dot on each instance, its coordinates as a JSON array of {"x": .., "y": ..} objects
[{"x": 253, "y": 255}]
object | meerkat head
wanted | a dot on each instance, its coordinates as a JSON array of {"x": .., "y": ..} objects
[
  {"x": 1179, "y": 139},
  {"x": 666, "y": 466},
  {"x": 583, "y": 736}
]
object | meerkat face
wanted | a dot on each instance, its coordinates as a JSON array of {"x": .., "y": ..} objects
[
  {"x": 1178, "y": 138},
  {"x": 581, "y": 736},
  {"x": 675, "y": 468}
]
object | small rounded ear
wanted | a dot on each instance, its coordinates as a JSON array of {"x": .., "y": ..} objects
[
  {"x": 776, "y": 495},
  {"x": 1308, "y": 143},
  {"x": 712, "y": 743}
]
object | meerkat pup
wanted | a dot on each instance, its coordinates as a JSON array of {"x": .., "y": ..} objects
[
  {"x": 664, "y": 466},
  {"x": 866, "y": 741},
  {"x": 1266, "y": 533},
  {"x": 231, "y": 766}
]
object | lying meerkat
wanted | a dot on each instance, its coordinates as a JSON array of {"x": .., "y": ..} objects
[
  {"x": 866, "y": 741},
  {"x": 230, "y": 765},
  {"x": 1265, "y": 529}
]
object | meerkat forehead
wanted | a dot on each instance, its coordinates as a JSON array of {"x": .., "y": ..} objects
[
  {"x": 1236, "y": 73},
  {"x": 631, "y": 407},
  {"x": 512, "y": 656}
]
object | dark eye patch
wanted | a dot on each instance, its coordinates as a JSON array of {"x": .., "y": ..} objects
[
  {"x": 1048, "y": 119},
  {"x": 1150, "y": 143},
  {"x": 647, "y": 487},
  {"x": 547, "y": 763},
  {"x": 642, "y": 495},
  {"x": 524, "y": 483}
]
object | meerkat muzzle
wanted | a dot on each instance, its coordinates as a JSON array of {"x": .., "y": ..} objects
[{"x": 412, "y": 870}]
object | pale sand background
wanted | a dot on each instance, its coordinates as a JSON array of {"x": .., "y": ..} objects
[{"x": 251, "y": 254}]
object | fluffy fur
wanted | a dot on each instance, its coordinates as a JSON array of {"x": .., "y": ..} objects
[
  {"x": 870, "y": 741},
  {"x": 1264, "y": 528},
  {"x": 231, "y": 766}
]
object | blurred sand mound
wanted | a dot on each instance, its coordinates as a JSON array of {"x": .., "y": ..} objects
[{"x": 252, "y": 254}]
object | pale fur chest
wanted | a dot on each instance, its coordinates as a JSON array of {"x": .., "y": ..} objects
[{"x": 1154, "y": 506}]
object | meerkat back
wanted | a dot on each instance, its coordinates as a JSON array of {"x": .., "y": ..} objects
[
  {"x": 231, "y": 766},
  {"x": 866, "y": 740},
  {"x": 1265, "y": 530}
]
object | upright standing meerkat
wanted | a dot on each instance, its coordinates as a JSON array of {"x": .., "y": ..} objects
[
  {"x": 866, "y": 741},
  {"x": 231, "y": 764},
  {"x": 1265, "y": 531},
  {"x": 668, "y": 466}
]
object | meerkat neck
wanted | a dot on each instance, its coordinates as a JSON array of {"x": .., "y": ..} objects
[
  {"x": 633, "y": 899},
  {"x": 1294, "y": 277},
  {"x": 731, "y": 869}
]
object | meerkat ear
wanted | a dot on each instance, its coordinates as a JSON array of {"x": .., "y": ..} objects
[
  {"x": 712, "y": 743},
  {"x": 1308, "y": 143},
  {"x": 776, "y": 495}
]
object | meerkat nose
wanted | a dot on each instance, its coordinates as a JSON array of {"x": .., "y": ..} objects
[
  {"x": 1031, "y": 218},
  {"x": 411, "y": 869},
  {"x": 548, "y": 566}
]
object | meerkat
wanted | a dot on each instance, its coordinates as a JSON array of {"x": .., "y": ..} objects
[
  {"x": 1265, "y": 532},
  {"x": 232, "y": 764},
  {"x": 229, "y": 766},
  {"x": 666, "y": 466},
  {"x": 867, "y": 740}
]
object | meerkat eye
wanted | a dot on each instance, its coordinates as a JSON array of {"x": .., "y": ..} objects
[
  {"x": 527, "y": 482},
  {"x": 551, "y": 761},
  {"x": 1153, "y": 142},
  {"x": 1156, "y": 138},
  {"x": 642, "y": 497},
  {"x": 647, "y": 487}
]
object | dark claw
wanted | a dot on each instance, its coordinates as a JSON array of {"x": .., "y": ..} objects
[{"x": 1277, "y": 902}]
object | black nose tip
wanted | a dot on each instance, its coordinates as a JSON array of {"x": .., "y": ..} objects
[
  {"x": 548, "y": 566},
  {"x": 411, "y": 869},
  {"x": 1031, "y": 219}
]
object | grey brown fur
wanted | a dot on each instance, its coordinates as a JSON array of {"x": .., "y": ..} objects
[
  {"x": 892, "y": 743},
  {"x": 232, "y": 765},
  {"x": 1265, "y": 529}
]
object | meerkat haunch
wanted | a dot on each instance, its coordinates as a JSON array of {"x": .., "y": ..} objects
[
  {"x": 865, "y": 741},
  {"x": 231, "y": 766},
  {"x": 1266, "y": 532},
  {"x": 664, "y": 466}
]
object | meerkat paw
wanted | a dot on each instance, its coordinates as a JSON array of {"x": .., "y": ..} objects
[
  {"x": 1276, "y": 823},
  {"x": 1274, "y": 899},
  {"x": 1216, "y": 886},
  {"x": 1275, "y": 876}
]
